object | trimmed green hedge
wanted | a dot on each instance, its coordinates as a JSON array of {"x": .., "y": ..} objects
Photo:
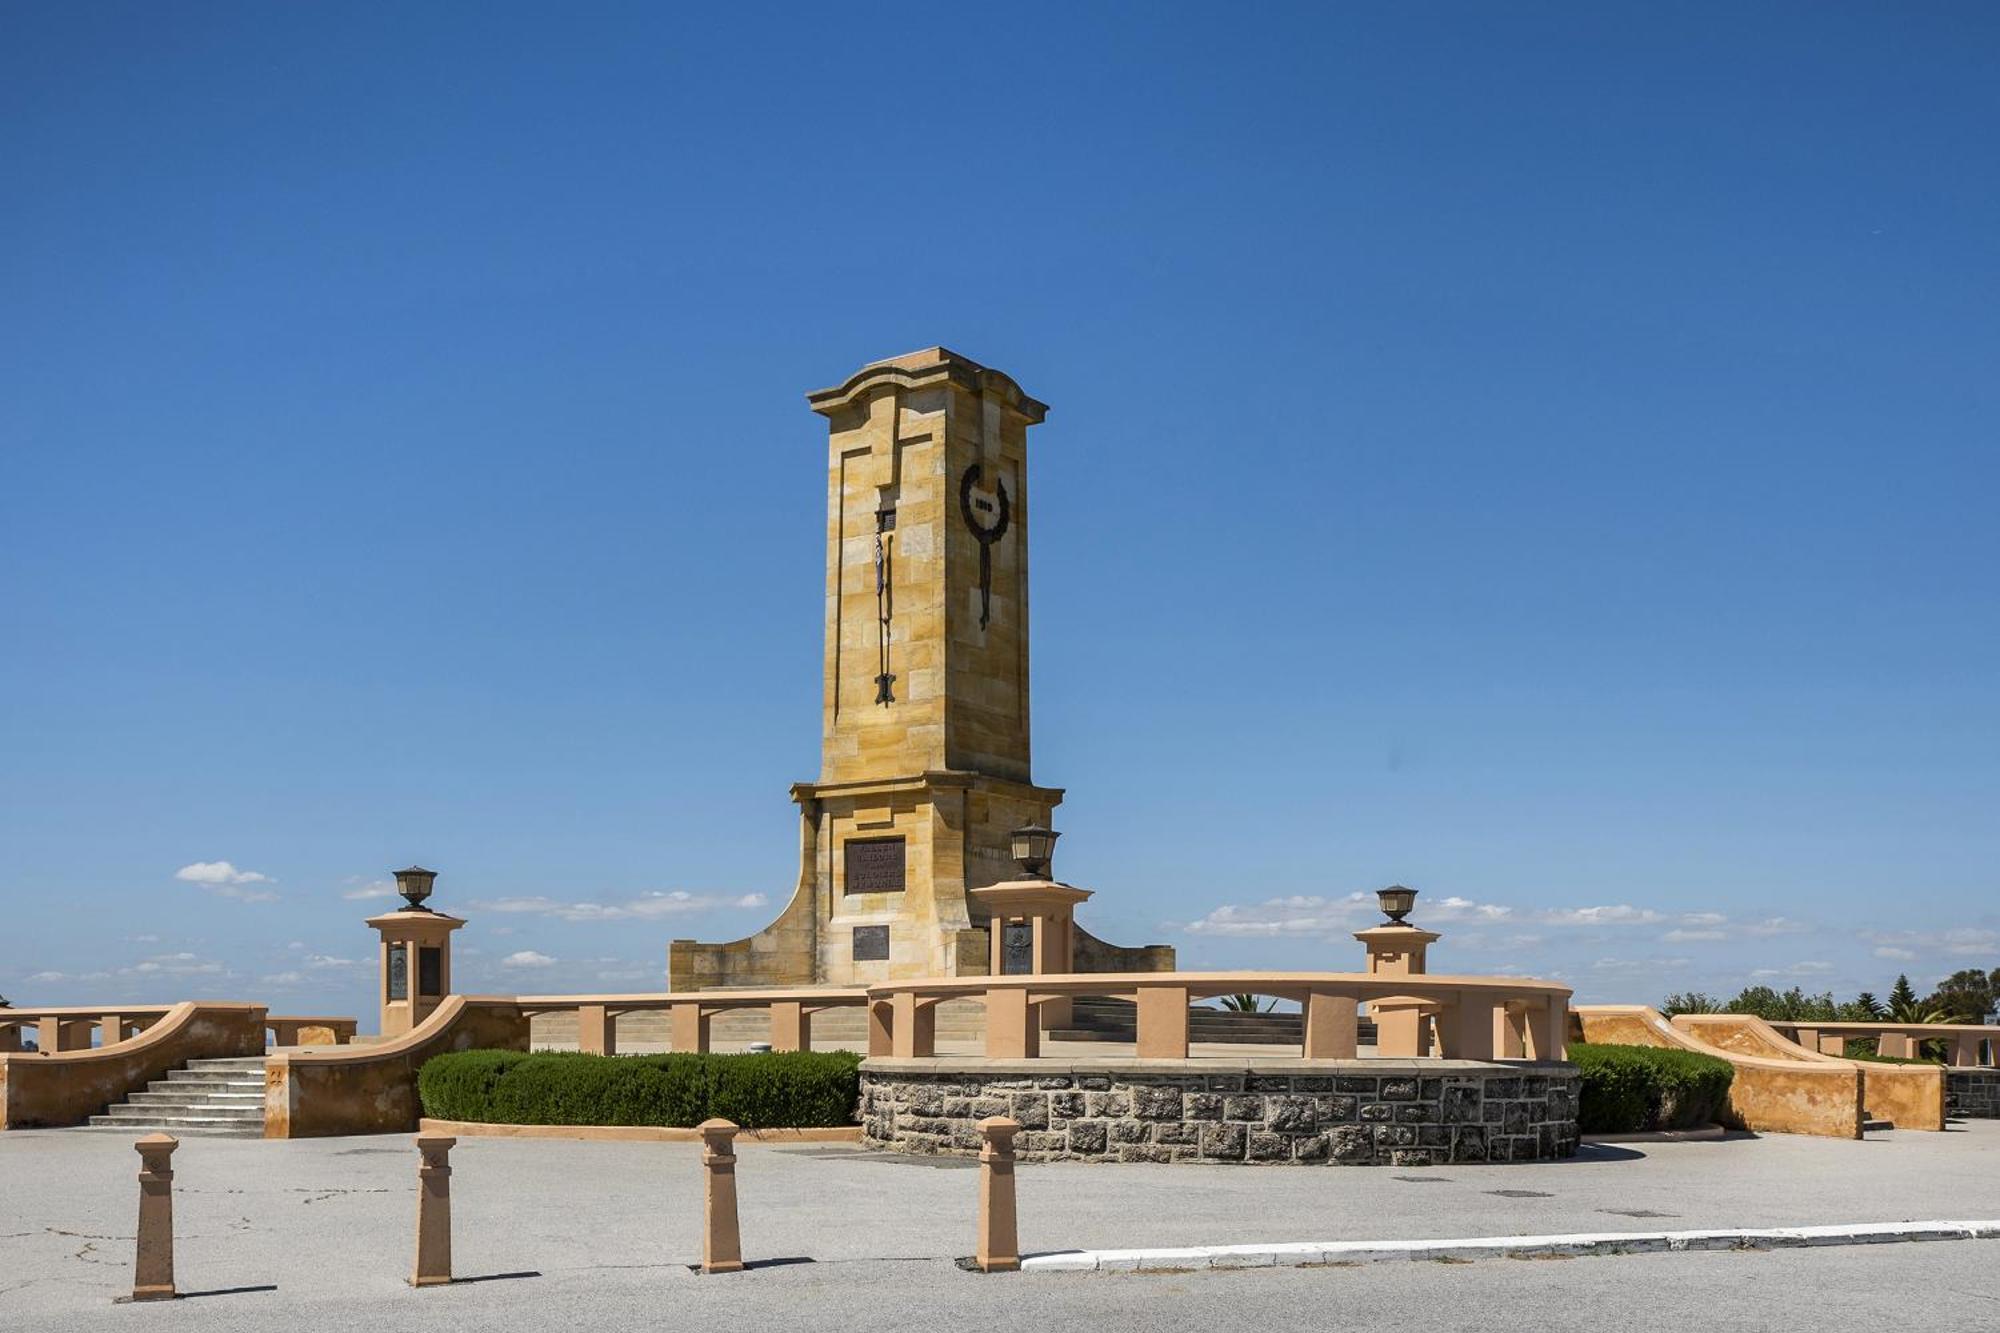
[
  {"x": 775, "y": 1090},
  {"x": 1627, "y": 1089}
]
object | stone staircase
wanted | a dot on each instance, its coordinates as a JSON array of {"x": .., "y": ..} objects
[{"x": 213, "y": 1097}]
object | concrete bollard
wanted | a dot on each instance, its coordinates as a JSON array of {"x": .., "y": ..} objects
[
  {"x": 999, "y": 1239},
  {"x": 721, "y": 1243},
  {"x": 433, "y": 1211},
  {"x": 153, "y": 1266}
]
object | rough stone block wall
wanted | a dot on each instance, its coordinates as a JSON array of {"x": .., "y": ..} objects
[
  {"x": 1972, "y": 1094},
  {"x": 1358, "y": 1115}
]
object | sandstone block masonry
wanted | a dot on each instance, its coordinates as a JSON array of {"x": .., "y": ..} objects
[
  {"x": 1345, "y": 1113},
  {"x": 1972, "y": 1093}
]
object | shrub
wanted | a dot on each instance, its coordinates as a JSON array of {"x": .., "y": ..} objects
[
  {"x": 784, "y": 1089},
  {"x": 1863, "y": 1048},
  {"x": 1631, "y": 1088}
]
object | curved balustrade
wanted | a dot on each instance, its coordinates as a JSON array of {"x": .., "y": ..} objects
[
  {"x": 69, "y": 1027},
  {"x": 690, "y": 1013},
  {"x": 68, "y": 1086},
  {"x": 1462, "y": 1018},
  {"x": 1969, "y": 1045}
]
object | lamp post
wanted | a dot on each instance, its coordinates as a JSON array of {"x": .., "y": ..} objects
[
  {"x": 1034, "y": 848},
  {"x": 415, "y": 953},
  {"x": 1396, "y": 902},
  {"x": 414, "y": 884}
]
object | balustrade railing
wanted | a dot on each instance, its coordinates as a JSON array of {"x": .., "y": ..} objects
[
  {"x": 71, "y": 1027},
  {"x": 690, "y": 1014},
  {"x": 1967, "y": 1045},
  {"x": 1465, "y": 1018}
]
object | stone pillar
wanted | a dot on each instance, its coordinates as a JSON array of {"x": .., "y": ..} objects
[
  {"x": 153, "y": 1265},
  {"x": 415, "y": 968},
  {"x": 791, "y": 1026},
  {"x": 721, "y": 1241},
  {"x": 1049, "y": 908},
  {"x": 999, "y": 1249},
  {"x": 1397, "y": 950},
  {"x": 433, "y": 1266},
  {"x": 596, "y": 1030}
]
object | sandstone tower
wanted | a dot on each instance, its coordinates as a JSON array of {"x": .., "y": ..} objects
[{"x": 924, "y": 760}]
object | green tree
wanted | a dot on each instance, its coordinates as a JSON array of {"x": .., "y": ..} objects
[
  {"x": 1967, "y": 992},
  {"x": 1792, "y": 1006},
  {"x": 1905, "y": 1007},
  {"x": 1863, "y": 1008},
  {"x": 1690, "y": 1002}
]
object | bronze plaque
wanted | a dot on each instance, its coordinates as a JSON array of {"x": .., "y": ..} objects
[
  {"x": 399, "y": 972},
  {"x": 1017, "y": 949},
  {"x": 871, "y": 944},
  {"x": 430, "y": 972},
  {"x": 874, "y": 865}
]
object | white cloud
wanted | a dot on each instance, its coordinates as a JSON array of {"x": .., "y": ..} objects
[
  {"x": 374, "y": 888},
  {"x": 527, "y": 958},
  {"x": 1890, "y": 951},
  {"x": 1702, "y": 918},
  {"x": 1808, "y": 969},
  {"x": 324, "y": 962},
  {"x": 46, "y": 976},
  {"x": 283, "y": 978},
  {"x": 172, "y": 965},
  {"x": 1957, "y": 942},
  {"x": 1690, "y": 936},
  {"x": 1621, "y": 914},
  {"x": 225, "y": 881},
  {"x": 646, "y": 906},
  {"x": 1638, "y": 964}
]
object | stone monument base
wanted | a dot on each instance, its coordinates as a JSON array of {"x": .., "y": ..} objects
[{"x": 1307, "y": 1112}]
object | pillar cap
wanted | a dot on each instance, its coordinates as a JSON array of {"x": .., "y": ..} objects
[
  {"x": 1025, "y": 895},
  {"x": 1392, "y": 934}
]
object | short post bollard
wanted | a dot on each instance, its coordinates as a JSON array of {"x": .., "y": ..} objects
[
  {"x": 433, "y": 1211},
  {"x": 999, "y": 1241},
  {"x": 153, "y": 1267},
  {"x": 721, "y": 1243}
]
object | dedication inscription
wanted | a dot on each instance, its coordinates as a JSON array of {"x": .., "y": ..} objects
[{"x": 875, "y": 865}]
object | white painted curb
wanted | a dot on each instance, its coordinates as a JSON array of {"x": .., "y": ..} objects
[{"x": 1500, "y": 1247}]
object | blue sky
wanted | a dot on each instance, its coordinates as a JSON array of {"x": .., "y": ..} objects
[{"x": 1544, "y": 454}]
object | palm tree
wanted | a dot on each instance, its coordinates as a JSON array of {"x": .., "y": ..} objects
[{"x": 1243, "y": 1004}]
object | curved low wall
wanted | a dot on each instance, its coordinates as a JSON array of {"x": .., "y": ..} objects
[
  {"x": 1315, "y": 1112},
  {"x": 68, "y": 1087},
  {"x": 1907, "y": 1096},
  {"x": 373, "y": 1089},
  {"x": 1767, "y": 1095}
]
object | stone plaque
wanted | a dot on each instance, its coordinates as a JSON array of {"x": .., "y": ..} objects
[
  {"x": 430, "y": 972},
  {"x": 874, "y": 865},
  {"x": 871, "y": 943},
  {"x": 1017, "y": 949},
  {"x": 399, "y": 972}
]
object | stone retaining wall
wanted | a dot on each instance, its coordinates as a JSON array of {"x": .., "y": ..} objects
[
  {"x": 1972, "y": 1093},
  {"x": 1343, "y": 1113}
]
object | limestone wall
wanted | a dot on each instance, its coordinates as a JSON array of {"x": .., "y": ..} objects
[{"x": 1342, "y": 1113}]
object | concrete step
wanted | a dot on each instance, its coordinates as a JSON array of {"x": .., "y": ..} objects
[
  {"x": 128, "y": 1111},
  {"x": 179, "y": 1093},
  {"x": 218, "y": 1078},
  {"x": 233, "y": 1062},
  {"x": 181, "y": 1126}
]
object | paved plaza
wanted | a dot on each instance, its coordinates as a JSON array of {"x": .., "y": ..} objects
[{"x": 318, "y": 1233}]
